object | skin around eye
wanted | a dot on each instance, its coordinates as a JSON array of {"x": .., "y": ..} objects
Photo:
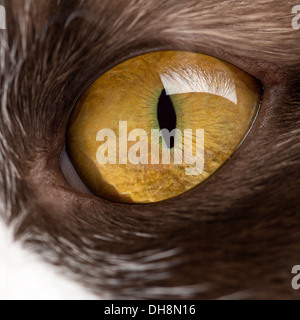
[{"x": 115, "y": 139}]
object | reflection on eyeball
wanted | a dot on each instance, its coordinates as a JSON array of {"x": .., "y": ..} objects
[{"x": 115, "y": 137}]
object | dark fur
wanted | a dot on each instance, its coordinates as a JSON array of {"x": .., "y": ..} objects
[{"x": 236, "y": 234}]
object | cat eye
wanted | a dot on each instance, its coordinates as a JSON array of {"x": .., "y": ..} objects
[{"x": 159, "y": 124}]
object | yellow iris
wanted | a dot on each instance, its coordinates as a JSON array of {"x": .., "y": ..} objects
[{"x": 206, "y": 94}]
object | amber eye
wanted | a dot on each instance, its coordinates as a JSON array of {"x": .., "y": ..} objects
[{"x": 159, "y": 124}]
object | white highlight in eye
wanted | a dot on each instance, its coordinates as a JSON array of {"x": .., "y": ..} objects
[{"x": 189, "y": 80}]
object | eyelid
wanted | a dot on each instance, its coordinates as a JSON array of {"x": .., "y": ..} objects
[{"x": 71, "y": 175}]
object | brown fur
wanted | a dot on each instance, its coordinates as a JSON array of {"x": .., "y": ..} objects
[{"x": 236, "y": 234}]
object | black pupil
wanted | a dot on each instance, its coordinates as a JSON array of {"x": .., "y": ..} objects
[{"x": 166, "y": 116}]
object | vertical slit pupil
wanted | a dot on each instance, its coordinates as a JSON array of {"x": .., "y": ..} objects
[{"x": 166, "y": 116}]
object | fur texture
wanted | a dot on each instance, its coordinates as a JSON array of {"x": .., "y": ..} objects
[
  {"x": 235, "y": 235},
  {"x": 24, "y": 276}
]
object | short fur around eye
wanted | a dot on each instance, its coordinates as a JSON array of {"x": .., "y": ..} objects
[{"x": 237, "y": 232}]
